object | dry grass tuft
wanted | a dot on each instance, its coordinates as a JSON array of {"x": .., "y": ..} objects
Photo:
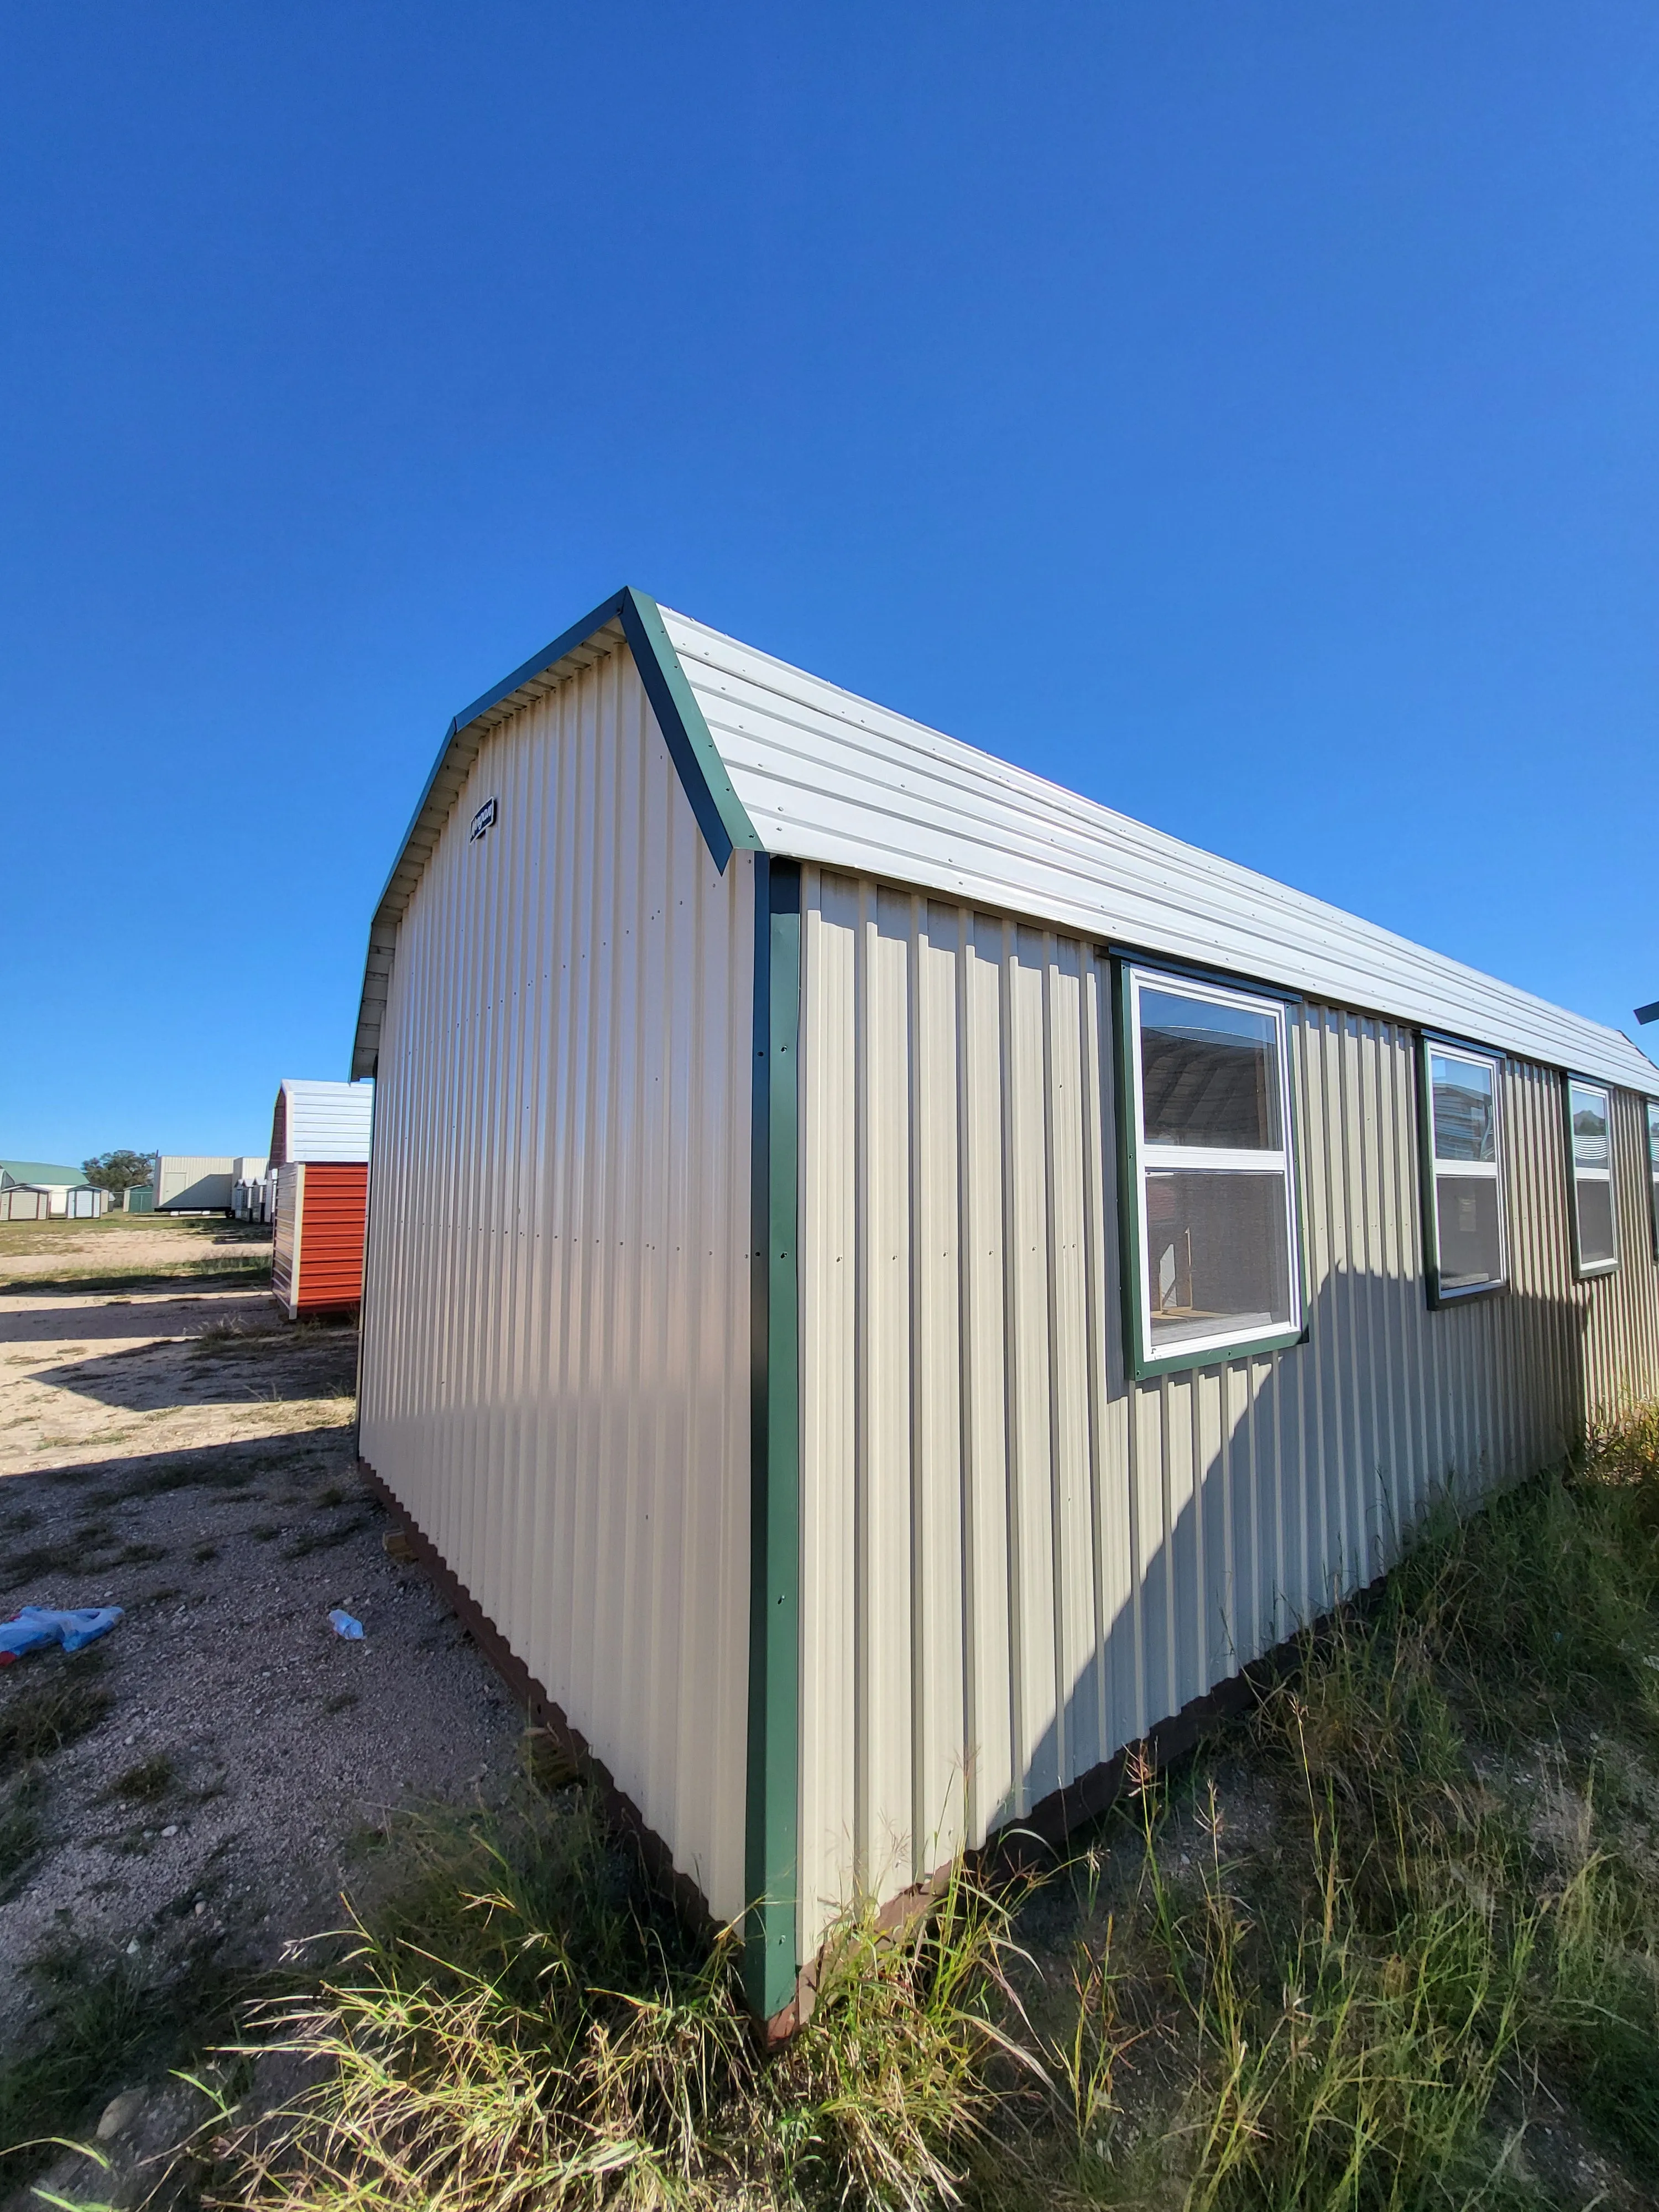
[
  {"x": 526, "y": 2028},
  {"x": 1340, "y": 1962}
]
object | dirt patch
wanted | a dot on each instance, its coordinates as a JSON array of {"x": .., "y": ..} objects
[{"x": 181, "y": 1800}]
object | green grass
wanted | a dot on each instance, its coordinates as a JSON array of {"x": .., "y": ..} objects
[
  {"x": 147, "y": 1782},
  {"x": 70, "y": 1554},
  {"x": 1445, "y": 1928},
  {"x": 104, "y": 2024},
  {"x": 95, "y": 2020},
  {"x": 253, "y": 1271},
  {"x": 20, "y": 1828},
  {"x": 46, "y": 1702},
  {"x": 1389, "y": 1943},
  {"x": 522, "y": 2026}
]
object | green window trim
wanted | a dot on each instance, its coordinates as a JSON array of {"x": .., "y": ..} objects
[
  {"x": 771, "y": 1865},
  {"x": 1143, "y": 1362},
  {"x": 1589, "y": 1271},
  {"x": 1429, "y": 1042}
]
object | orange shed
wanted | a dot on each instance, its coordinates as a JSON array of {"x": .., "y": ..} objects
[{"x": 319, "y": 1144}]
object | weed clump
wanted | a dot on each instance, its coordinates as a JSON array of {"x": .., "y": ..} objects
[
  {"x": 68, "y": 1555},
  {"x": 147, "y": 1782},
  {"x": 526, "y": 2026},
  {"x": 1340, "y": 1960},
  {"x": 1437, "y": 1932},
  {"x": 56, "y": 1703},
  {"x": 20, "y": 1826}
]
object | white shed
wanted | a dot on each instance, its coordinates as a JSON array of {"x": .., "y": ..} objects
[
  {"x": 316, "y": 1119},
  {"x": 889, "y": 1282}
]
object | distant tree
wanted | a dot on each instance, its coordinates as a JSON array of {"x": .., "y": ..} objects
[{"x": 116, "y": 1171}]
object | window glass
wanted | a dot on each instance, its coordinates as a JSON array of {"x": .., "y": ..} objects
[
  {"x": 1653, "y": 1168},
  {"x": 1595, "y": 1244},
  {"x": 1217, "y": 1248},
  {"x": 1589, "y": 1129},
  {"x": 1464, "y": 1124},
  {"x": 1465, "y": 1225},
  {"x": 1209, "y": 1072},
  {"x": 1471, "y": 1237},
  {"x": 1212, "y": 1198},
  {"x": 1594, "y": 1221}
]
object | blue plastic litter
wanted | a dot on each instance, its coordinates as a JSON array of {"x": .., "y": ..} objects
[
  {"x": 36, "y": 1626},
  {"x": 343, "y": 1625}
]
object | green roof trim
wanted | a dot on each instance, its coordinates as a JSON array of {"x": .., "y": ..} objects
[
  {"x": 720, "y": 814},
  {"x": 37, "y": 1171}
]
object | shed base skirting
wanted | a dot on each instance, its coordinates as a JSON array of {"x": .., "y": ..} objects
[{"x": 1008, "y": 1852}]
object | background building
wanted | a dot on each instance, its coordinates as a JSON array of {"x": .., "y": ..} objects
[{"x": 39, "y": 1189}]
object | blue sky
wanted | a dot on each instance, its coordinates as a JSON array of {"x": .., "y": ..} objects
[{"x": 1246, "y": 415}]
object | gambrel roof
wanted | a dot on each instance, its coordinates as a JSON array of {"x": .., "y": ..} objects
[
  {"x": 773, "y": 760},
  {"x": 319, "y": 1120}
]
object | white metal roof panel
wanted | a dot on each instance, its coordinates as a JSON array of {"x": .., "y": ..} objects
[
  {"x": 328, "y": 1121},
  {"x": 828, "y": 776}
]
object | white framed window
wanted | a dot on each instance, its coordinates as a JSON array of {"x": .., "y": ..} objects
[
  {"x": 1594, "y": 1211},
  {"x": 1207, "y": 1173},
  {"x": 1653, "y": 1169},
  {"x": 1463, "y": 1178}
]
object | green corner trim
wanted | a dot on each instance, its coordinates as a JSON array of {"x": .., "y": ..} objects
[
  {"x": 771, "y": 1855},
  {"x": 721, "y": 815}
]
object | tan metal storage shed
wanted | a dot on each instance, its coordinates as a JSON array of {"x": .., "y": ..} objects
[
  {"x": 194, "y": 1182},
  {"x": 887, "y": 1281}
]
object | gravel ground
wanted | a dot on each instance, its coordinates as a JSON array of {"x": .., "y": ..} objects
[{"x": 191, "y": 1459}]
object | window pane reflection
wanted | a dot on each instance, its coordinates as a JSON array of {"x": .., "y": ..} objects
[
  {"x": 1590, "y": 1128},
  {"x": 1209, "y": 1073},
  {"x": 1464, "y": 1123}
]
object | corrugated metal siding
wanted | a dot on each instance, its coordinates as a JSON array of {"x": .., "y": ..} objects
[
  {"x": 1014, "y": 1562},
  {"x": 191, "y": 1180},
  {"x": 1622, "y": 1336},
  {"x": 827, "y": 776},
  {"x": 335, "y": 1197},
  {"x": 556, "y": 1365},
  {"x": 285, "y": 1238}
]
